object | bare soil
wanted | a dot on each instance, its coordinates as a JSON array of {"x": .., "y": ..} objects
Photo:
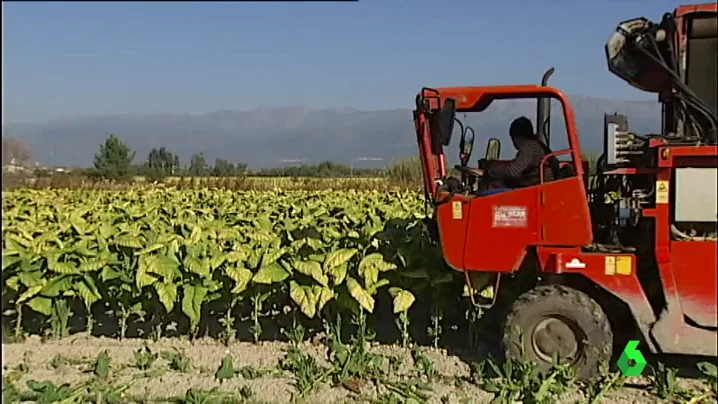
[{"x": 70, "y": 361}]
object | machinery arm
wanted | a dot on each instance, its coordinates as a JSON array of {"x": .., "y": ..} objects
[{"x": 643, "y": 54}]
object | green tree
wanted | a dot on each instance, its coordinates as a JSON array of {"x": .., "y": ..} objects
[
  {"x": 198, "y": 166},
  {"x": 222, "y": 168},
  {"x": 161, "y": 163},
  {"x": 114, "y": 159}
]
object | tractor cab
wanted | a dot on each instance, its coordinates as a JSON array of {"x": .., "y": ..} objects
[{"x": 473, "y": 225}]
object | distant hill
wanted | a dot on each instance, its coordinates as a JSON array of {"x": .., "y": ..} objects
[{"x": 290, "y": 136}]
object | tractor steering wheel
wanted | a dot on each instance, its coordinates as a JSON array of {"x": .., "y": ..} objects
[{"x": 470, "y": 171}]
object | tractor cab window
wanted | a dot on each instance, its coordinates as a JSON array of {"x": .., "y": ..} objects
[{"x": 488, "y": 134}]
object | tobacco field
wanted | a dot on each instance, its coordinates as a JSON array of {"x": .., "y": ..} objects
[{"x": 212, "y": 295}]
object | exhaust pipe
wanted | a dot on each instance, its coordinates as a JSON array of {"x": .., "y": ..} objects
[{"x": 543, "y": 112}]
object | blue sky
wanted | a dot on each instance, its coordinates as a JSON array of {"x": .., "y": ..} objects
[{"x": 68, "y": 59}]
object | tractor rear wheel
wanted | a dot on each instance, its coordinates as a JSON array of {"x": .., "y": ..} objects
[{"x": 558, "y": 321}]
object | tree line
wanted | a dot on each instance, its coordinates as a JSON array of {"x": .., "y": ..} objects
[{"x": 115, "y": 160}]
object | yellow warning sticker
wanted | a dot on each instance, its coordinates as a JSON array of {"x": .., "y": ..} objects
[
  {"x": 456, "y": 210},
  {"x": 609, "y": 265},
  {"x": 661, "y": 192},
  {"x": 623, "y": 265}
]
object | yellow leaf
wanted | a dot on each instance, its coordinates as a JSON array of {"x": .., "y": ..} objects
[
  {"x": 339, "y": 273},
  {"x": 142, "y": 277},
  {"x": 313, "y": 269},
  {"x": 337, "y": 258},
  {"x": 403, "y": 301},
  {"x": 240, "y": 275},
  {"x": 304, "y": 298},
  {"x": 323, "y": 295},
  {"x": 360, "y": 295}
]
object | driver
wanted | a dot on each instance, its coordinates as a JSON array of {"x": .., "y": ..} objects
[{"x": 523, "y": 170}]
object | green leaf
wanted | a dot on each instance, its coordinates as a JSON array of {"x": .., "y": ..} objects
[
  {"x": 57, "y": 286},
  {"x": 109, "y": 274},
  {"x": 87, "y": 290},
  {"x": 163, "y": 266},
  {"x": 167, "y": 293},
  {"x": 29, "y": 293},
  {"x": 226, "y": 369},
  {"x": 192, "y": 298},
  {"x": 362, "y": 297},
  {"x": 41, "y": 305},
  {"x": 273, "y": 273},
  {"x": 271, "y": 256}
]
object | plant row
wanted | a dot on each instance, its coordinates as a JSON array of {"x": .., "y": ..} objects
[{"x": 155, "y": 252}]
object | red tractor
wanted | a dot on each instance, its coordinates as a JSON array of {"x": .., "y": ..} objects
[{"x": 583, "y": 259}]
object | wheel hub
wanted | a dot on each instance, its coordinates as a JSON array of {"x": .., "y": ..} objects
[{"x": 555, "y": 336}]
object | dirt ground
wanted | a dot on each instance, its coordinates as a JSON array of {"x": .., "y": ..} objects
[{"x": 257, "y": 379}]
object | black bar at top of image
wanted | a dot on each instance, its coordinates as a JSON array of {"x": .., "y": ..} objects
[{"x": 185, "y": 1}]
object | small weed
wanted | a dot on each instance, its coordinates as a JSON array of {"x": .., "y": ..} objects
[
  {"x": 395, "y": 363},
  {"x": 10, "y": 393},
  {"x": 60, "y": 360},
  {"x": 246, "y": 392},
  {"x": 409, "y": 390},
  {"x": 251, "y": 373},
  {"x": 59, "y": 319},
  {"x": 101, "y": 392},
  {"x": 606, "y": 381},
  {"x": 144, "y": 358},
  {"x": 473, "y": 317},
  {"x": 426, "y": 366},
  {"x": 307, "y": 372},
  {"x": 402, "y": 322},
  {"x": 257, "y": 299},
  {"x": 435, "y": 329},
  {"x": 523, "y": 381},
  {"x": 17, "y": 372},
  {"x": 178, "y": 361},
  {"x": 710, "y": 374},
  {"x": 226, "y": 369},
  {"x": 353, "y": 360},
  {"x": 664, "y": 383},
  {"x": 296, "y": 333},
  {"x": 102, "y": 365},
  {"x": 48, "y": 392},
  {"x": 478, "y": 372},
  {"x": 203, "y": 396}
]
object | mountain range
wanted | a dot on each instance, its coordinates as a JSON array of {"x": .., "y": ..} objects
[{"x": 272, "y": 137}]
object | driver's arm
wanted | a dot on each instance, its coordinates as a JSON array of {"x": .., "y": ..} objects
[{"x": 513, "y": 169}]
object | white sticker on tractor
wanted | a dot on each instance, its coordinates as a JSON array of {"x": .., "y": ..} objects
[
  {"x": 575, "y": 264},
  {"x": 510, "y": 216}
]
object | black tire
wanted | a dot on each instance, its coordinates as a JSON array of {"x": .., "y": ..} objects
[{"x": 580, "y": 332}]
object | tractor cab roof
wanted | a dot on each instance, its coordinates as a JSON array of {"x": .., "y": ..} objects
[{"x": 477, "y": 99}]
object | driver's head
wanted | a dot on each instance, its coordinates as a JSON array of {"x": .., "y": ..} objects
[{"x": 521, "y": 129}]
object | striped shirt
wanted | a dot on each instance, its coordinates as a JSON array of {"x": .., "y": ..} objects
[{"x": 523, "y": 170}]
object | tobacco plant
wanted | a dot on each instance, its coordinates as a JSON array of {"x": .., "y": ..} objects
[{"x": 153, "y": 252}]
